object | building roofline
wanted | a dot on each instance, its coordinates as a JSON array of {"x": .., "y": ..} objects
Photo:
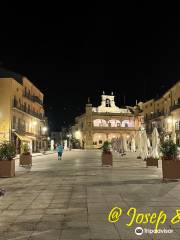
[
  {"x": 4, "y": 73},
  {"x": 162, "y": 95},
  {"x": 25, "y": 78}
]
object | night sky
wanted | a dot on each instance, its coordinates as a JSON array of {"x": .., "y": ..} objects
[{"x": 72, "y": 52}]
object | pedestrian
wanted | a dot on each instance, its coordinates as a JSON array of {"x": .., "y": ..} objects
[{"x": 59, "y": 151}]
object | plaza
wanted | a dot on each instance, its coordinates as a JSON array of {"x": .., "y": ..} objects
[{"x": 72, "y": 198}]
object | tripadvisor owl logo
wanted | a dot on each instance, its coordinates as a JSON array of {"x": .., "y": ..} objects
[{"x": 139, "y": 231}]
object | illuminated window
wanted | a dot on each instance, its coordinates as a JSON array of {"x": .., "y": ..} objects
[
  {"x": 99, "y": 123},
  {"x": 114, "y": 123},
  {"x": 127, "y": 123}
]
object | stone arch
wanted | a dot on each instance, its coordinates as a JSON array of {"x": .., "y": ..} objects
[{"x": 99, "y": 123}]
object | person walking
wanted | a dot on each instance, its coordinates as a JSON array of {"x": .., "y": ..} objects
[{"x": 59, "y": 151}]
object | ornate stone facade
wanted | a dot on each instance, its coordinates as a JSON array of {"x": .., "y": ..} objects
[{"x": 105, "y": 122}]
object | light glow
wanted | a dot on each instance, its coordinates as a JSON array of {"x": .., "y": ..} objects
[{"x": 44, "y": 129}]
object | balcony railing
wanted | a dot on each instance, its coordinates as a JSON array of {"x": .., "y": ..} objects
[
  {"x": 156, "y": 115},
  {"x": 19, "y": 126},
  {"x": 28, "y": 111},
  {"x": 33, "y": 98},
  {"x": 176, "y": 106}
]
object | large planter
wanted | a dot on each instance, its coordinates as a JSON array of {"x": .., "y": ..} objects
[
  {"x": 25, "y": 160},
  {"x": 171, "y": 168},
  {"x": 107, "y": 159},
  {"x": 7, "y": 168},
  {"x": 151, "y": 162}
]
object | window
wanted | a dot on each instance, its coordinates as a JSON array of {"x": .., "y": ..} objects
[
  {"x": 108, "y": 103},
  {"x": 99, "y": 123},
  {"x": 14, "y": 102},
  {"x": 25, "y": 107},
  {"x": 19, "y": 123},
  {"x": 177, "y": 125},
  {"x": 14, "y": 122},
  {"x": 27, "y": 127},
  {"x": 100, "y": 141}
]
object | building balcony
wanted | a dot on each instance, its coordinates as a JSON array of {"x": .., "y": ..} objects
[
  {"x": 176, "y": 106},
  {"x": 33, "y": 98},
  {"x": 27, "y": 111},
  {"x": 156, "y": 115}
]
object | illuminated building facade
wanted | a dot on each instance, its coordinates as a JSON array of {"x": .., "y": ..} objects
[
  {"x": 22, "y": 117},
  {"x": 99, "y": 124},
  {"x": 164, "y": 113}
]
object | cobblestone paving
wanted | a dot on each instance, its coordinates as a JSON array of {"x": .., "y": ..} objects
[{"x": 71, "y": 199}]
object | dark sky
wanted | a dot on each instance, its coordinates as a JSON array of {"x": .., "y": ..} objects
[{"x": 72, "y": 52}]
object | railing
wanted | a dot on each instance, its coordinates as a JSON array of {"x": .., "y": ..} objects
[
  {"x": 19, "y": 126},
  {"x": 33, "y": 98},
  {"x": 176, "y": 106},
  {"x": 156, "y": 115},
  {"x": 28, "y": 111}
]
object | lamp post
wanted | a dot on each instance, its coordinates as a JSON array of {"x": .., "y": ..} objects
[
  {"x": 44, "y": 131},
  {"x": 69, "y": 140}
]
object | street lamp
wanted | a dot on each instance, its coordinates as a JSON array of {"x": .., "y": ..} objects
[
  {"x": 44, "y": 130},
  {"x": 34, "y": 123}
]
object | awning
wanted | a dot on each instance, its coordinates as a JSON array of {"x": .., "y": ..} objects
[
  {"x": 31, "y": 137},
  {"x": 23, "y": 138}
]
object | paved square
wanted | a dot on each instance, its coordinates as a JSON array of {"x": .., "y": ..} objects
[{"x": 71, "y": 199}]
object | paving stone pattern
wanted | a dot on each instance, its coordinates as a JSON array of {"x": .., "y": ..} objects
[{"x": 71, "y": 199}]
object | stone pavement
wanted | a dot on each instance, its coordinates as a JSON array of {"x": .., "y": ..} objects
[
  {"x": 38, "y": 154},
  {"x": 71, "y": 199}
]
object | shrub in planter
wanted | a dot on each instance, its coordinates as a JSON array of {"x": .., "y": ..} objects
[
  {"x": 150, "y": 161},
  {"x": 169, "y": 150},
  {"x": 25, "y": 156},
  {"x": 106, "y": 154},
  {"x": 170, "y": 161},
  {"x": 7, "y": 161}
]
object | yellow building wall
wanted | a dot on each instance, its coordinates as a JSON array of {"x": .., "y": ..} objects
[{"x": 5, "y": 113}]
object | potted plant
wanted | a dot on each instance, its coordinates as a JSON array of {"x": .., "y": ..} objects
[
  {"x": 170, "y": 160},
  {"x": 25, "y": 156},
  {"x": 106, "y": 154},
  {"x": 7, "y": 161},
  {"x": 151, "y": 161}
]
